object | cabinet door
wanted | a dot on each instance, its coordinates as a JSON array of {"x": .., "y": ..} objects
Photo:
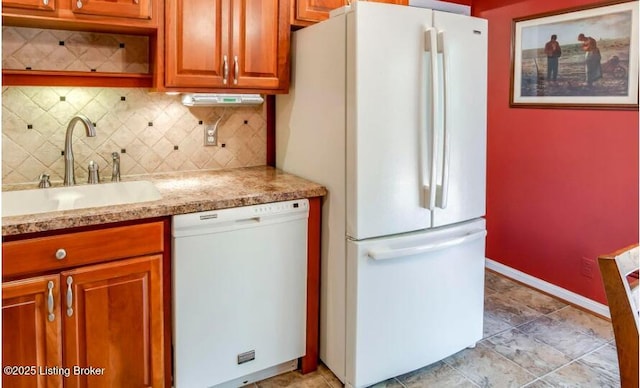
[
  {"x": 45, "y": 5},
  {"x": 260, "y": 48},
  {"x": 115, "y": 321},
  {"x": 31, "y": 331},
  {"x": 306, "y": 12},
  {"x": 196, "y": 43},
  {"x": 139, "y": 9}
]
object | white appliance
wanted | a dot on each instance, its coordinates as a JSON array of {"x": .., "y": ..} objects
[
  {"x": 239, "y": 293},
  {"x": 387, "y": 109}
]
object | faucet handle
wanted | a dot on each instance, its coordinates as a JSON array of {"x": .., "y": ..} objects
[
  {"x": 94, "y": 175},
  {"x": 44, "y": 181}
]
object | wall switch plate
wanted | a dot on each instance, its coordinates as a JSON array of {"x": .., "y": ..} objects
[{"x": 210, "y": 135}]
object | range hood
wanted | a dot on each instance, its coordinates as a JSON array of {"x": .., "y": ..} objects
[{"x": 202, "y": 99}]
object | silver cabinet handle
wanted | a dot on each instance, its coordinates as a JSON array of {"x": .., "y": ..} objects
[
  {"x": 45, "y": 2},
  {"x": 225, "y": 69},
  {"x": 50, "y": 305},
  {"x": 79, "y": 4},
  {"x": 235, "y": 70},
  {"x": 69, "y": 297},
  {"x": 61, "y": 254}
]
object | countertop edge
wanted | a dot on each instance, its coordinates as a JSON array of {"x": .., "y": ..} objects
[{"x": 229, "y": 188}]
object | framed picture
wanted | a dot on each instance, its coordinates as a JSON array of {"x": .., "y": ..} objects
[{"x": 576, "y": 58}]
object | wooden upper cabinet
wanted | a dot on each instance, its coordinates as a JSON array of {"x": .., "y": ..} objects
[
  {"x": 195, "y": 47},
  {"x": 307, "y": 12},
  {"x": 255, "y": 44},
  {"x": 139, "y": 9},
  {"x": 224, "y": 45},
  {"x": 31, "y": 333},
  {"x": 111, "y": 16}
]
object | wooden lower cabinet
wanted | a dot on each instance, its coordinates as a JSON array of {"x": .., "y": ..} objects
[
  {"x": 113, "y": 327},
  {"x": 31, "y": 331},
  {"x": 93, "y": 325},
  {"x": 111, "y": 317}
]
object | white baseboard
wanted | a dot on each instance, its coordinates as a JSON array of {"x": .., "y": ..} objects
[{"x": 551, "y": 289}]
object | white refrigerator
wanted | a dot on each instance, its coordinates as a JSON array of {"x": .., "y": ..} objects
[{"x": 387, "y": 109}]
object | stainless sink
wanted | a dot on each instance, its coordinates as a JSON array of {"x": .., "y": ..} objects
[{"x": 22, "y": 202}]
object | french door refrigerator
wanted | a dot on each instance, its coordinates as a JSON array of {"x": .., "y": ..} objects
[{"x": 387, "y": 109}]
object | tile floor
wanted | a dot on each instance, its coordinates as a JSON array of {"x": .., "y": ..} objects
[{"x": 530, "y": 340}]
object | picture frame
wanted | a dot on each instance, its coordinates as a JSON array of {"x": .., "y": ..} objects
[{"x": 578, "y": 58}]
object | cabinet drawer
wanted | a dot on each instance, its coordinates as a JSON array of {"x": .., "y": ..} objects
[{"x": 74, "y": 249}]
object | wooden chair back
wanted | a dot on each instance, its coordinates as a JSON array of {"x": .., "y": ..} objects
[{"x": 620, "y": 277}]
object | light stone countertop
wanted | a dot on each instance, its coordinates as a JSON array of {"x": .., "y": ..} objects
[{"x": 182, "y": 192}]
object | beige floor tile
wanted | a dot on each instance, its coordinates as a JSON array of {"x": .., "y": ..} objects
[
  {"x": 493, "y": 325},
  {"x": 585, "y": 322},
  {"x": 295, "y": 379},
  {"x": 538, "y": 384},
  {"x": 330, "y": 378},
  {"x": 438, "y": 375},
  {"x": 562, "y": 335},
  {"x": 579, "y": 375},
  {"x": 509, "y": 310},
  {"x": 497, "y": 283},
  {"x": 603, "y": 360},
  {"x": 391, "y": 383},
  {"x": 534, "y": 299},
  {"x": 531, "y": 354},
  {"x": 487, "y": 368}
]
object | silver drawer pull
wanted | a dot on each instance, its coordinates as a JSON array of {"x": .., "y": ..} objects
[
  {"x": 225, "y": 69},
  {"x": 50, "y": 305},
  {"x": 79, "y": 4},
  {"x": 45, "y": 2},
  {"x": 235, "y": 70},
  {"x": 61, "y": 254},
  {"x": 69, "y": 297}
]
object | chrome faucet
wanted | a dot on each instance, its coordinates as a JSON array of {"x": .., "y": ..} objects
[
  {"x": 69, "y": 170},
  {"x": 115, "y": 171}
]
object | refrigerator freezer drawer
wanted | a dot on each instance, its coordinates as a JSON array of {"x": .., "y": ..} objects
[{"x": 423, "y": 290}]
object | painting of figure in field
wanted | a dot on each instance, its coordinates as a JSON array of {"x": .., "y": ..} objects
[{"x": 581, "y": 57}]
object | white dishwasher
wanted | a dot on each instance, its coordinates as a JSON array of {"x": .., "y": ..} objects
[{"x": 239, "y": 293}]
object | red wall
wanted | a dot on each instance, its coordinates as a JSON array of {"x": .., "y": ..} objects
[{"x": 562, "y": 185}]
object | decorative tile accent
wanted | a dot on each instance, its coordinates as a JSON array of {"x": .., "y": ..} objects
[
  {"x": 42, "y": 49},
  {"x": 173, "y": 143}
]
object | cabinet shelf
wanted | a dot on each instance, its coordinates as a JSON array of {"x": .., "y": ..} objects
[{"x": 74, "y": 78}]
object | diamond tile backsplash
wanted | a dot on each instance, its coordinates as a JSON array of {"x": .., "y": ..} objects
[
  {"x": 41, "y": 49},
  {"x": 153, "y": 132}
]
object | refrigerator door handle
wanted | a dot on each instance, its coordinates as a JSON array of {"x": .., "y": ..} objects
[
  {"x": 443, "y": 189},
  {"x": 396, "y": 253},
  {"x": 431, "y": 46}
]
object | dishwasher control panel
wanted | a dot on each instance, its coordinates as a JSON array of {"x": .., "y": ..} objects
[
  {"x": 280, "y": 207},
  {"x": 239, "y": 217}
]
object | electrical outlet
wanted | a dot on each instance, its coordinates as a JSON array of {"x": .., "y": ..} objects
[
  {"x": 586, "y": 268},
  {"x": 210, "y": 135}
]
